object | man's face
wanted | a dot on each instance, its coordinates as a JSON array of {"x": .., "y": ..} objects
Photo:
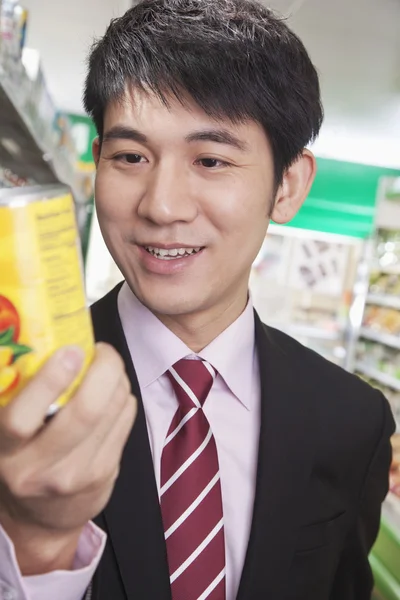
[{"x": 183, "y": 203}]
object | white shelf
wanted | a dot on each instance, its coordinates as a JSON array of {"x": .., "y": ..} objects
[
  {"x": 333, "y": 238},
  {"x": 389, "y": 270},
  {"x": 378, "y": 375},
  {"x": 308, "y": 331},
  {"x": 393, "y": 341},
  {"x": 384, "y": 300}
]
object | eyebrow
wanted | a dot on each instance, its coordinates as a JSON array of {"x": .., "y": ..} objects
[
  {"x": 219, "y": 136},
  {"x": 120, "y": 132}
]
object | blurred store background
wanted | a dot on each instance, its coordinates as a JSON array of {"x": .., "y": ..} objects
[{"x": 332, "y": 278}]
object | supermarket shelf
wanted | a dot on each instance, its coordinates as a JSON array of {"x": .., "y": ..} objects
[
  {"x": 384, "y": 300},
  {"x": 378, "y": 375},
  {"x": 25, "y": 152},
  {"x": 22, "y": 149},
  {"x": 382, "y": 338}
]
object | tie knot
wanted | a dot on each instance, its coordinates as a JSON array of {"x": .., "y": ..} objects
[{"x": 192, "y": 381}]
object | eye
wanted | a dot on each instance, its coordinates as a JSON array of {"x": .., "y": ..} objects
[
  {"x": 212, "y": 163},
  {"x": 131, "y": 159}
]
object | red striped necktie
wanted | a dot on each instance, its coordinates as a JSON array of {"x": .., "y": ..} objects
[{"x": 191, "y": 502}]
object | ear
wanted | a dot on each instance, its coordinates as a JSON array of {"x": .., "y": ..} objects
[
  {"x": 295, "y": 187},
  {"x": 96, "y": 149}
]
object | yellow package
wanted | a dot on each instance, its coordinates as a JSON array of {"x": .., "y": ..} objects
[{"x": 42, "y": 296}]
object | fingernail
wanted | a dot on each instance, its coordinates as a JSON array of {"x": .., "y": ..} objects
[{"x": 72, "y": 358}]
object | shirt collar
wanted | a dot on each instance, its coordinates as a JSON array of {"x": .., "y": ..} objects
[{"x": 154, "y": 348}]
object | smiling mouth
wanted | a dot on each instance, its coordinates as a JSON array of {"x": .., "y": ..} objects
[{"x": 172, "y": 253}]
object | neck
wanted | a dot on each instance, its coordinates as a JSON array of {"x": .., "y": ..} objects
[{"x": 198, "y": 330}]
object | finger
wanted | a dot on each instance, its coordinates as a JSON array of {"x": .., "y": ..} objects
[
  {"x": 104, "y": 460},
  {"x": 97, "y": 478},
  {"x": 88, "y": 466},
  {"x": 117, "y": 437},
  {"x": 24, "y": 416},
  {"x": 99, "y": 399},
  {"x": 107, "y": 431}
]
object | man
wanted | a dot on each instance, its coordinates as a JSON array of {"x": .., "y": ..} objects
[{"x": 255, "y": 469}]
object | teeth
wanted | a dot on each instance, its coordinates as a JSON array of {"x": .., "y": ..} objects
[{"x": 172, "y": 253}]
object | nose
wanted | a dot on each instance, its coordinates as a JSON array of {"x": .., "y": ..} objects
[{"x": 167, "y": 198}]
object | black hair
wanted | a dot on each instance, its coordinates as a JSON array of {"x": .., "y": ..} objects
[{"x": 235, "y": 58}]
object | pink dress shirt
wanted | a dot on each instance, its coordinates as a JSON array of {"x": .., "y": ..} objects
[{"x": 233, "y": 411}]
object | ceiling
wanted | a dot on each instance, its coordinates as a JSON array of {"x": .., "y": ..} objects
[{"x": 355, "y": 45}]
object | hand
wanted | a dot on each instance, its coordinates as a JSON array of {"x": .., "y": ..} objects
[{"x": 54, "y": 478}]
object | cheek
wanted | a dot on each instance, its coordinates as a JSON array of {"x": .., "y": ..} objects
[
  {"x": 112, "y": 199},
  {"x": 239, "y": 211},
  {"x": 241, "y": 220}
]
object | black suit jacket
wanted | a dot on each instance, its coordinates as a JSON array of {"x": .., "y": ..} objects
[{"x": 323, "y": 465}]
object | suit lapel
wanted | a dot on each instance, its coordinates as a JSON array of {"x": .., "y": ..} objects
[
  {"x": 133, "y": 515},
  {"x": 286, "y": 451}
]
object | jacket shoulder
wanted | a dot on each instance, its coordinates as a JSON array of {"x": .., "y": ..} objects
[
  {"x": 348, "y": 404},
  {"x": 315, "y": 365}
]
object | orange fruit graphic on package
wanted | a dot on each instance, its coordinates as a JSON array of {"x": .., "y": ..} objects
[{"x": 10, "y": 349}]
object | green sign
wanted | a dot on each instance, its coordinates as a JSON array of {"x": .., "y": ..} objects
[
  {"x": 84, "y": 132},
  {"x": 342, "y": 199}
]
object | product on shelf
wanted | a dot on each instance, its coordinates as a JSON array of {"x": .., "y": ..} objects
[
  {"x": 388, "y": 248},
  {"x": 392, "y": 395},
  {"x": 9, "y": 179},
  {"x": 13, "y": 22},
  {"x": 385, "y": 283},
  {"x": 384, "y": 320},
  {"x": 379, "y": 357}
]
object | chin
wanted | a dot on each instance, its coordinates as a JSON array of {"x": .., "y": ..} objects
[{"x": 171, "y": 304}]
